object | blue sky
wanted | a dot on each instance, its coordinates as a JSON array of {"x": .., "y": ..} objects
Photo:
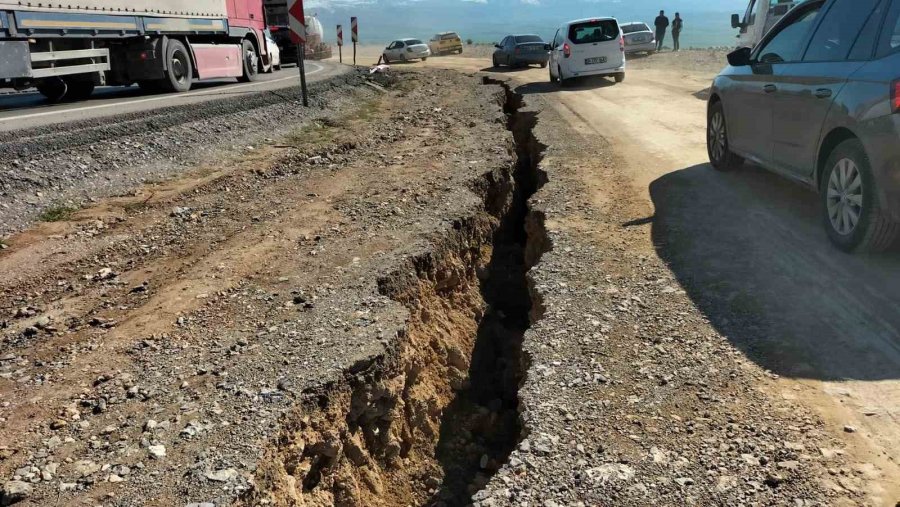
[{"x": 707, "y": 21}]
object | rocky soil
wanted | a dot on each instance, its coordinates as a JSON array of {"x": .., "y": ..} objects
[{"x": 430, "y": 292}]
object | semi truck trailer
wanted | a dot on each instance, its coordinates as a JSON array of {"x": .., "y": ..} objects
[{"x": 66, "y": 49}]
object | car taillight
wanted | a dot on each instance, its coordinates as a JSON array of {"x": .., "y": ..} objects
[
  {"x": 567, "y": 51},
  {"x": 895, "y": 96},
  {"x": 518, "y": 50},
  {"x": 622, "y": 43}
]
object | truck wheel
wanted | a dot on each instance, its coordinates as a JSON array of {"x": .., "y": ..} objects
[
  {"x": 54, "y": 89},
  {"x": 251, "y": 62},
  {"x": 180, "y": 72},
  {"x": 79, "y": 89}
]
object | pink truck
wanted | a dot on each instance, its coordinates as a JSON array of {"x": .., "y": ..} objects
[{"x": 66, "y": 49}]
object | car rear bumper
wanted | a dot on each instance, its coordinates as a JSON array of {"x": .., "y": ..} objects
[
  {"x": 538, "y": 58},
  {"x": 447, "y": 49},
  {"x": 641, "y": 47},
  {"x": 603, "y": 71}
]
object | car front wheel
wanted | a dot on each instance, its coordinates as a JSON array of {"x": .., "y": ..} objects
[
  {"x": 854, "y": 217},
  {"x": 720, "y": 155}
]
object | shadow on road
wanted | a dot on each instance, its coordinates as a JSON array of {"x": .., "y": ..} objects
[{"x": 750, "y": 250}]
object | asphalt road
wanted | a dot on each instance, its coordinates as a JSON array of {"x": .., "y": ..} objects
[{"x": 28, "y": 110}]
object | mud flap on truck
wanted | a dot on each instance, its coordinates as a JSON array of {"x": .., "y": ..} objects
[{"x": 14, "y": 60}]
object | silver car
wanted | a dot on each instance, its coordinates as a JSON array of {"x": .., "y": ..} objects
[
  {"x": 817, "y": 101},
  {"x": 638, "y": 38}
]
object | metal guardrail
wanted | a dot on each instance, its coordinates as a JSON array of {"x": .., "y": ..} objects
[{"x": 76, "y": 54}]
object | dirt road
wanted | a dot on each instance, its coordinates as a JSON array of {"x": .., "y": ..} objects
[{"x": 749, "y": 249}]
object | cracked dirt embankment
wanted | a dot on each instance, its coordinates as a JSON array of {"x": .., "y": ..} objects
[
  {"x": 431, "y": 420},
  {"x": 155, "y": 345}
]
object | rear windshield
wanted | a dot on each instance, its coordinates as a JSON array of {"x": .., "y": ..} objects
[
  {"x": 527, "y": 38},
  {"x": 449, "y": 36},
  {"x": 413, "y": 42},
  {"x": 635, "y": 27},
  {"x": 594, "y": 31}
]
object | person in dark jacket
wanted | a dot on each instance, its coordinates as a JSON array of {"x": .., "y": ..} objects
[
  {"x": 677, "y": 25},
  {"x": 662, "y": 22}
]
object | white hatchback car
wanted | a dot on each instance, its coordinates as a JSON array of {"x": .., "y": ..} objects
[
  {"x": 402, "y": 50},
  {"x": 588, "y": 47}
]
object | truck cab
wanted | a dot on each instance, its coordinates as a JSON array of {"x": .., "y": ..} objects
[{"x": 760, "y": 16}]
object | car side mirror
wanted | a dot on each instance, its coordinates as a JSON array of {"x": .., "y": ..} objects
[
  {"x": 497, "y": 45},
  {"x": 739, "y": 57},
  {"x": 736, "y": 21}
]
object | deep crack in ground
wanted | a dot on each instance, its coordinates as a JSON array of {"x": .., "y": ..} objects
[{"x": 481, "y": 427}]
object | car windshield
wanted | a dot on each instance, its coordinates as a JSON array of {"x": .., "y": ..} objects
[
  {"x": 635, "y": 27},
  {"x": 449, "y": 36},
  {"x": 527, "y": 38},
  {"x": 601, "y": 30},
  {"x": 413, "y": 42}
]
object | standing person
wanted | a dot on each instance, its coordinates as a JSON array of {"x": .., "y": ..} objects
[
  {"x": 677, "y": 25},
  {"x": 662, "y": 22}
]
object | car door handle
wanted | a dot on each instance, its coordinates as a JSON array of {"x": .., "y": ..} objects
[
  {"x": 823, "y": 93},
  {"x": 770, "y": 88}
]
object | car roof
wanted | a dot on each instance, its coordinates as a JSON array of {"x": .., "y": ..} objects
[
  {"x": 635, "y": 23},
  {"x": 446, "y": 33},
  {"x": 585, "y": 20},
  {"x": 409, "y": 39},
  {"x": 523, "y": 35}
]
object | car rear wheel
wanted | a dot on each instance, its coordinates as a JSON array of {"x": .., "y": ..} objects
[
  {"x": 386, "y": 61},
  {"x": 424, "y": 58},
  {"x": 553, "y": 78},
  {"x": 720, "y": 155},
  {"x": 563, "y": 80},
  {"x": 854, "y": 217},
  {"x": 495, "y": 62},
  {"x": 620, "y": 77},
  {"x": 543, "y": 65}
]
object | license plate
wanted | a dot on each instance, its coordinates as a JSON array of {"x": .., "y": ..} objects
[
  {"x": 594, "y": 61},
  {"x": 638, "y": 39}
]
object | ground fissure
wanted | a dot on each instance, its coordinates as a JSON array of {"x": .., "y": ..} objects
[{"x": 430, "y": 420}]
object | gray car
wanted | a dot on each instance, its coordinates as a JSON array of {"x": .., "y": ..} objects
[
  {"x": 817, "y": 101},
  {"x": 521, "y": 50}
]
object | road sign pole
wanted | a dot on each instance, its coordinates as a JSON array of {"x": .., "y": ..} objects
[
  {"x": 354, "y": 34},
  {"x": 297, "y": 24},
  {"x": 340, "y": 43},
  {"x": 301, "y": 51}
]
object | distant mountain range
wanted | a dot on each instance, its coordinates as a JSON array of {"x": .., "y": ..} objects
[{"x": 707, "y": 22}]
